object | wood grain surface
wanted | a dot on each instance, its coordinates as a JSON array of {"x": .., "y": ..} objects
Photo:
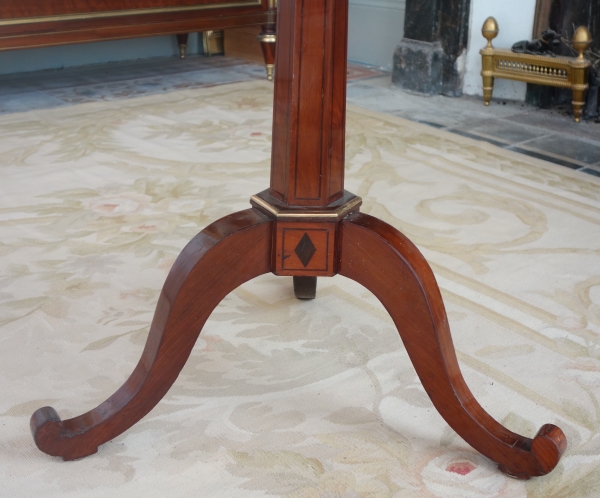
[
  {"x": 36, "y": 24},
  {"x": 307, "y": 167}
]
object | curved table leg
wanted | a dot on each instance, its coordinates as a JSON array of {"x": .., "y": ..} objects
[
  {"x": 224, "y": 255},
  {"x": 379, "y": 257}
]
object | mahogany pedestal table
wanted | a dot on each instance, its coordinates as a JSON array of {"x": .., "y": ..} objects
[{"x": 306, "y": 226}]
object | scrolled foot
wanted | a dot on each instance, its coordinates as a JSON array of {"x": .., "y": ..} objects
[
  {"x": 547, "y": 448},
  {"x": 52, "y": 438}
]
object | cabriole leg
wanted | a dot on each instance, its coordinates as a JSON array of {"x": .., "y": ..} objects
[
  {"x": 208, "y": 268},
  {"x": 379, "y": 257}
]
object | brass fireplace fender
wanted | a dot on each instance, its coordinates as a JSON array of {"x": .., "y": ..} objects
[{"x": 559, "y": 71}]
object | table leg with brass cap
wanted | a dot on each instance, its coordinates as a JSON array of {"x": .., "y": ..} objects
[{"x": 268, "y": 38}]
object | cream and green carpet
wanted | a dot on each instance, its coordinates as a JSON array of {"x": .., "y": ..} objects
[{"x": 282, "y": 397}]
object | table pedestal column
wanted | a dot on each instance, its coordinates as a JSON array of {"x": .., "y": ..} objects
[{"x": 306, "y": 226}]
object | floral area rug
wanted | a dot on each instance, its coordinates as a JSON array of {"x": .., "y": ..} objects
[{"x": 282, "y": 397}]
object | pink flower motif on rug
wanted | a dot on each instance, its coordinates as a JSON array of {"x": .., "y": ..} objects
[
  {"x": 463, "y": 475},
  {"x": 461, "y": 468},
  {"x": 119, "y": 205}
]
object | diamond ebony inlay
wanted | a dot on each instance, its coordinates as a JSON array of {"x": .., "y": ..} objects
[{"x": 305, "y": 250}]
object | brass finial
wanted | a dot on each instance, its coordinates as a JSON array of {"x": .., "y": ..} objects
[
  {"x": 582, "y": 39},
  {"x": 490, "y": 30}
]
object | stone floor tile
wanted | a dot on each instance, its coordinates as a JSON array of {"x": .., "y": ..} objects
[
  {"x": 590, "y": 171},
  {"x": 435, "y": 117},
  {"x": 474, "y": 136},
  {"x": 28, "y": 101},
  {"x": 584, "y": 151},
  {"x": 553, "y": 158},
  {"x": 507, "y": 131},
  {"x": 556, "y": 122},
  {"x": 135, "y": 87}
]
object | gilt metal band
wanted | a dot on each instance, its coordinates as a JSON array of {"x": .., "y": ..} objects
[
  {"x": 314, "y": 214},
  {"x": 269, "y": 38}
]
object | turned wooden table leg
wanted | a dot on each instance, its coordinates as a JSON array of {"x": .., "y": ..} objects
[
  {"x": 267, "y": 39},
  {"x": 379, "y": 257},
  {"x": 220, "y": 258},
  {"x": 182, "y": 40}
]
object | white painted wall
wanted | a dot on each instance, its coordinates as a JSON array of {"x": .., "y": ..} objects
[
  {"x": 375, "y": 28},
  {"x": 515, "y": 20},
  {"x": 15, "y": 61}
]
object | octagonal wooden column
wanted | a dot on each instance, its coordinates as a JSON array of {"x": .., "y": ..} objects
[
  {"x": 309, "y": 126},
  {"x": 309, "y": 117}
]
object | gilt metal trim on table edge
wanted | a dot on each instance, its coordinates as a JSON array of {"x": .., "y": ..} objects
[{"x": 124, "y": 13}]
